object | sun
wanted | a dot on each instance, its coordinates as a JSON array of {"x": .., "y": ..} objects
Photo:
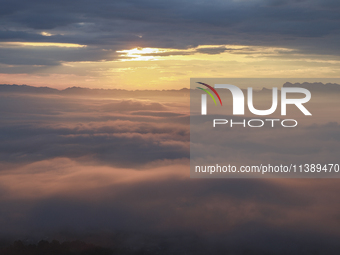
[{"x": 139, "y": 54}]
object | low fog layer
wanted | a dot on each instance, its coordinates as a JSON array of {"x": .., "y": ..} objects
[{"x": 90, "y": 167}]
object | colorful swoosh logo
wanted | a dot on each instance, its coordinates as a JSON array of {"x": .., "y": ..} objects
[{"x": 213, "y": 90}]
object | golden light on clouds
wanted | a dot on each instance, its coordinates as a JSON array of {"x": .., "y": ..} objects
[
  {"x": 138, "y": 54},
  {"x": 166, "y": 68},
  {"x": 66, "y": 176},
  {"x": 40, "y": 44},
  {"x": 46, "y": 34},
  {"x": 199, "y": 52}
]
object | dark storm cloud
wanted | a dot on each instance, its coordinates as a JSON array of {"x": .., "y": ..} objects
[
  {"x": 212, "y": 50},
  {"x": 50, "y": 55},
  {"x": 8, "y": 35},
  {"x": 309, "y": 26}
]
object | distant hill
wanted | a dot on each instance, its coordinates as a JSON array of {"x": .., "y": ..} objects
[
  {"x": 27, "y": 89},
  {"x": 78, "y": 91},
  {"x": 316, "y": 86}
]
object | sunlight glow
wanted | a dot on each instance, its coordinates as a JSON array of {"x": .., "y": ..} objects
[
  {"x": 166, "y": 68},
  {"x": 46, "y": 34},
  {"x": 136, "y": 54},
  {"x": 200, "y": 52}
]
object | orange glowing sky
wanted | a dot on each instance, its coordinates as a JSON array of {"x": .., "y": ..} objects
[{"x": 165, "y": 68}]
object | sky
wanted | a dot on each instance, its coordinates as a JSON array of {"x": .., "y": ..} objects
[
  {"x": 152, "y": 44},
  {"x": 77, "y": 164}
]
